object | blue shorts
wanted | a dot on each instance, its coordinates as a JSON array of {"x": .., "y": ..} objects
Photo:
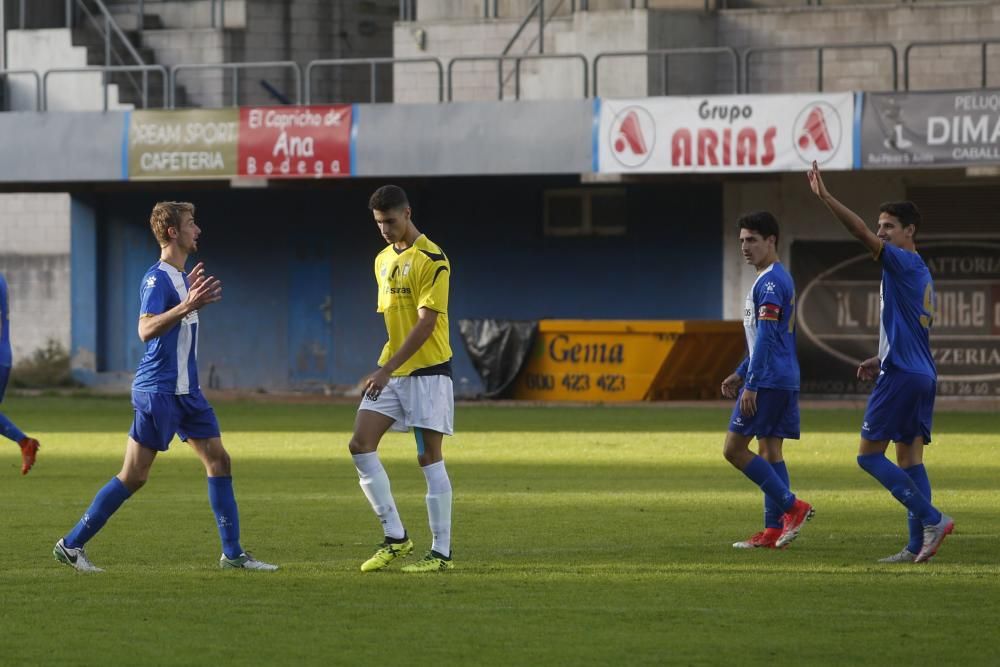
[
  {"x": 4, "y": 377},
  {"x": 900, "y": 408},
  {"x": 159, "y": 416},
  {"x": 777, "y": 415}
]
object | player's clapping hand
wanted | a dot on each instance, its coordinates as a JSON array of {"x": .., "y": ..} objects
[
  {"x": 869, "y": 368},
  {"x": 203, "y": 289},
  {"x": 376, "y": 383},
  {"x": 731, "y": 385},
  {"x": 816, "y": 182}
]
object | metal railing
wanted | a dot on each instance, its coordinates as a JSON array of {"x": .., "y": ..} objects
[
  {"x": 107, "y": 28},
  {"x": 372, "y": 63},
  {"x": 446, "y": 89},
  {"x": 4, "y": 73},
  {"x": 236, "y": 69},
  {"x": 216, "y": 8},
  {"x": 733, "y": 55},
  {"x": 537, "y": 8},
  {"x": 982, "y": 43},
  {"x": 491, "y": 8},
  {"x": 517, "y": 60},
  {"x": 105, "y": 70},
  {"x": 820, "y": 49}
]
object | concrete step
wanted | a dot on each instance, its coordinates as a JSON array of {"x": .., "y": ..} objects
[{"x": 179, "y": 14}]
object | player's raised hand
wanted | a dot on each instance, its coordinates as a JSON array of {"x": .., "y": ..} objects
[
  {"x": 196, "y": 274},
  {"x": 869, "y": 369},
  {"x": 203, "y": 289},
  {"x": 816, "y": 182},
  {"x": 731, "y": 385}
]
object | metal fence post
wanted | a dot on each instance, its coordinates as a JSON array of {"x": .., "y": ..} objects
[
  {"x": 819, "y": 68},
  {"x": 984, "y": 64},
  {"x": 541, "y": 26}
]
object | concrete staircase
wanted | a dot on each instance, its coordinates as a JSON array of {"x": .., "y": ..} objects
[{"x": 172, "y": 32}]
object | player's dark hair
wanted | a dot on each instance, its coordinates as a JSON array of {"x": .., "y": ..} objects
[
  {"x": 762, "y": 222},
  {"x": 168, "y": 214},
  {"x": 387, "y": 198},
  {"x": 905, "y": 211}
]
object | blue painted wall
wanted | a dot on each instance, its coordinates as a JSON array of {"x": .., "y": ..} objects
[
  {"x": 667, "y": 266},
  {"x": 83, "y": 289}
]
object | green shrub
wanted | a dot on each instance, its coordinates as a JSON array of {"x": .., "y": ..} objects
[{"x": 48, "y": 366}]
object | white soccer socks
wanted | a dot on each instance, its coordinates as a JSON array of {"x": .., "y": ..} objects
[
  {"x": 375, "y": 483},
  {"x": 439, "y": 506}
]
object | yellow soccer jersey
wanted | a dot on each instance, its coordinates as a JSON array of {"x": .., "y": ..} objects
[{"x": 417, "y": 277}]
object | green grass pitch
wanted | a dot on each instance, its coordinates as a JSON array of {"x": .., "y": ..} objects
[{"x": 582, "y": 536}]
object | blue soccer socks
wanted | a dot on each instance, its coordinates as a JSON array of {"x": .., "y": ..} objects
[
  {"x": 901, "y": 486},
  {"x": 9, "y": 430},
  {"x": 772, "y": 512},
  {"x": 918, "y": 474},
  {"x": 106, "y": 502},
  {"x": 227, "y": 514},
  {"x": 764, "y": 476}
]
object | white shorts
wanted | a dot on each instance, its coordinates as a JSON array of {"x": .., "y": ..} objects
[{"x": 425, "y": 401}]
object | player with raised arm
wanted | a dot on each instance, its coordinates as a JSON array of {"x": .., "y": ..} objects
[
  {"x": 29, "y": 446},
  {"x": 901, "y": 406},
  {"x": 412, "y": 387},
  {"x": 166, "y": 395},
  {"x": 767, "y": 405}
]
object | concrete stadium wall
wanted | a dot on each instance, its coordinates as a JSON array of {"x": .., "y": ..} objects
[
  {"x": 42, "y": 50},
  {"x": 931, "y": 68},
  {"x": 35, "y": 260},
  {"x": 58, "y": 146},
  {"x": 475, "y": 138},
  {"x": 671, "y": 24}
]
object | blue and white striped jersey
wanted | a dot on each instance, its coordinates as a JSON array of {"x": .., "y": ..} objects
[
  {"x": 170, "y": 364},
  {"x": 769, "y": 322}
]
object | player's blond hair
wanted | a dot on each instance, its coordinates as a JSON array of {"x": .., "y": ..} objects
[{"x": 168, "y": 214}]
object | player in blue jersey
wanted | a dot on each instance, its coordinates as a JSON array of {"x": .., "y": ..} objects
[
  {"x": 29, "y": 446},
  {"x": 166, "y": 396},
  {"x": 767, "y": 405},
  {"x": 901, "y": 405}
]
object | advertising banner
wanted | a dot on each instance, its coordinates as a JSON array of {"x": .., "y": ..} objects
[
  {"x": 295, "y": 142},
  {"x": 838, "y": 314},
  {"x": 744, "y": 133},
  {"x": 195, "y": 143},
  {"x": 905, "y": 130}
]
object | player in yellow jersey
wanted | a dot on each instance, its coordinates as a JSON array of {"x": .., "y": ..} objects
[{"x": 412, "y": 387}]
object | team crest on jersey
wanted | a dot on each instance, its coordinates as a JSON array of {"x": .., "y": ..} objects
[{"x": 406, "y": 269}]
